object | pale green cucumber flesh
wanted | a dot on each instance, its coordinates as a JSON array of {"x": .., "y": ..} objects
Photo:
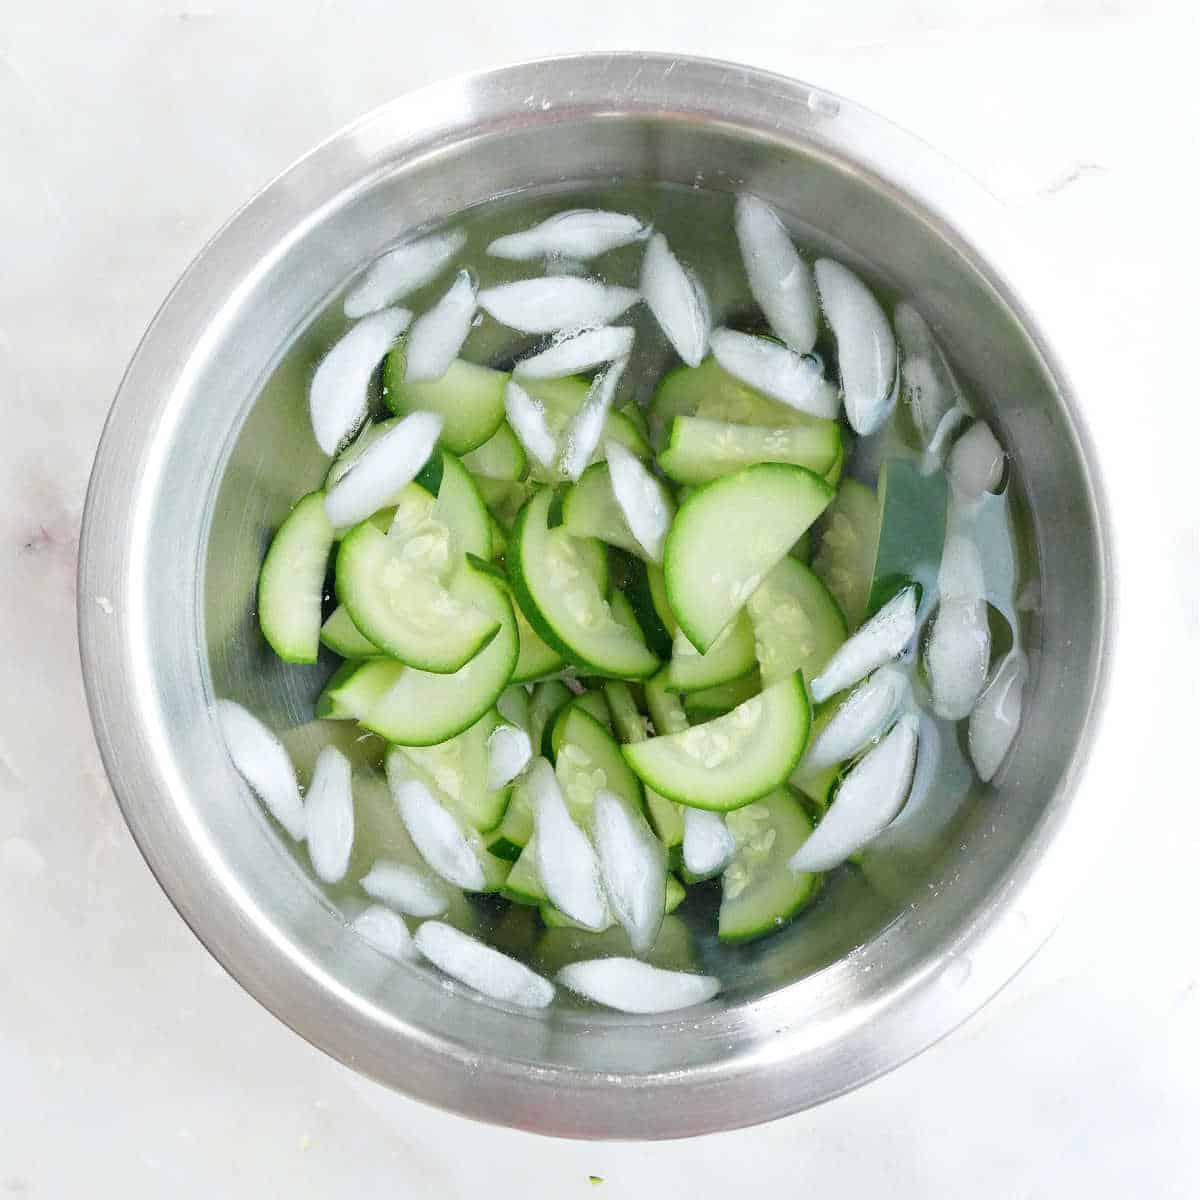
[
  {"x": 726, "y": 538},
  {"x": 731, "y": 656},
  {"x": 797, "y": 624},
  {"x": 291, "y": 583},
  {"x": 734, "y": 759},
  {"x": 759, "y": 891},
  {"x": 421, "y": 708},
  {"x": 559, "y": 595},
  {"x": 699, "y": 450},
  {"x": 468, "y": 398}
]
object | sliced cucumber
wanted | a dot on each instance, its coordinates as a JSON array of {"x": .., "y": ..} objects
[
  {"x": 501, "y": 457},
  {"x": 342, "y": 636},
  {"x": 797, "y": 623},
  {"x": 727, "y": 537},
  {"x": 912, "y": 531},
  {"x": 712, "y": 702},
  {"x": 818, "y": 786},
  {"x": 627, "y": 722},
  {"x": 734, "y": 759},
  {"x": 536, "y": 660},
  {"x": 636, "y": 415},
  {"x": 622, "y": 611},
  {"x": 590, "y": 510},
  {"x": 630, "y": 726},
  {"x": 731, "y": 656},
  {"x": 524, "y": 884},
  {"x": 561, "y": 598},
  {"x": 499, "y": 539},
  {"x": 292, "y": 581},
  {"x": 759, "y": 891},
  {"x": 512, "y": 834},
  {"x": 420, "y": 708},
  {"x": 592, "y": 703},
  {"x": 676, "y": 894},
  {"x": 586, "y": 759},
  {"x": 646, "y": 590},
  {"x": 460, "y": 507},
  {"x": 468, "y": 398},
  {"x": 699, "y": 450},
  {"x": 354, "y": 688},
  {"x": 455, "y": 771},
  {"x": 548, "y": 700},
  {"x": 666, "y": 710},
  {"x": 845, "y": 555},
  {"x": 392, "y": 590},
  {"x": 709, "y": 391}
]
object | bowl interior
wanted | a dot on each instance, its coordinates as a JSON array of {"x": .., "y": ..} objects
[{"x": 231, "y": 450}]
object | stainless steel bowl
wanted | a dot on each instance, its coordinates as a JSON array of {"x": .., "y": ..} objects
[{"x": 207, "y": 444}]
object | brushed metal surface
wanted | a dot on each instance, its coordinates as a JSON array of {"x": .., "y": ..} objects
[{"x": 201, "y": 457}]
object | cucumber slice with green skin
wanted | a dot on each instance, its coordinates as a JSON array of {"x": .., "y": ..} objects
[
  {"x": 728, "y": 535},
  {"x": 622, "y": 611},
  {"x": 501, "y": 457},
  {"x": 665, "y": 817},
  {"x": 524, "y": 884},
  {"x": 342, "y": 636},
  {"x": 709, "y": 391},
  {"x": 586, "y": 759},
  {"x": 548, "y": 700},
  {"x": 512, "y": 834},
  {"x": 499, "y": 539},
  {"x": 734, "y": 759},
  {"x": 818, "y": 786},
  {"x": 292, "y": 581},
  {"x": 666, "y": 709},
  {"x": 468, "y": 398},
  {"x": 354, "y": 688},
  {"x": 912, "y": 531},
  {"x": 513, "y": 706},
  {"x": 845, "y": 554},
  {"x": 731, "y": 656},
  {"x": 676, "y": 894},
  {"x": 712, "y": 702},
  {"x": 398, "y": 601},
  {"x": 627, "y": 722},
  {"x": 591, "y": 703},
  {"x": 560, "y": 596},
  {"x": 420, "y": 708},
  {"x": 699, "y": 450},
  {"x": 460, "y": 507},
  {"x": 635, "y": 414},
  {"x": 536, "y": 660},
  {"x": 455, "y": 771},
  {"x": 759, "y": 892},
  {"x": 646, "y": 590},
  {"x": 590, "y": 510},
  {"x": 797, "y": 624}
]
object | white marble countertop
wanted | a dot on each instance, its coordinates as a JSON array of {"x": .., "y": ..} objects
[{"x": 129, "y": 1063}]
